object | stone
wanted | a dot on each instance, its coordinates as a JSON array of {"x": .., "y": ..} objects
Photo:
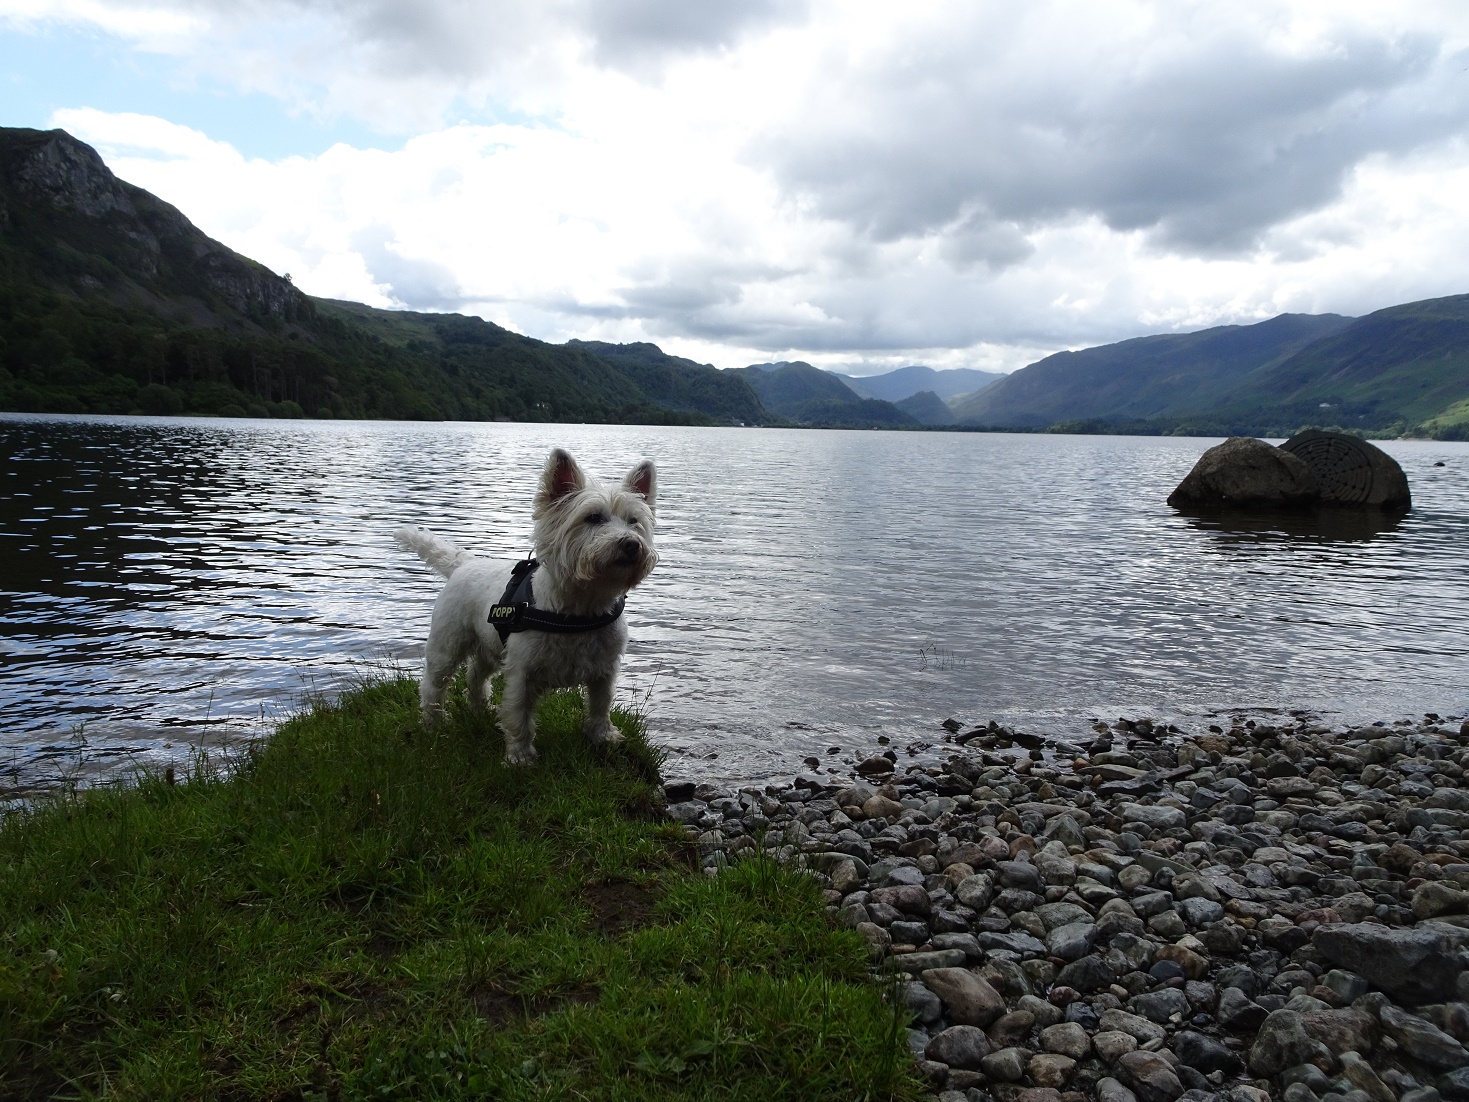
[
  {"x": 1343, "y": 1030},
  {"x": 1161, "y": 1006},
  {"x": 1415, "y": 965},
  {"x": 923, "y": 1003},
  {"x": 1012, "y": 1028},
  {"x": 1435, "y": 898},
  {"x": 1204, "y": 1053},
  {"x": 1454, "y": 1085},
  {"x": 879, "y": 943},
  {"x": 1194, "y": 965},
  {"x": 880, "y": 807},
  {"x": 1087, "y": 974},
  {"x": 1197, "y": 911},
  {"x": 1150, "y": 1076},
  {"x": 1006, "y": 1065},
  {"x": 1237, "y": 1011},
  {"x": 1072, "y": 941},
  {"x": 1361, "y": 1075},
  {"x": 922, "y": 962},
  {"x": 1423, "y": 1040},
  {"x": 967, "y": 997},
  {"x": 1283, "y": 1042},
  {"x": 1348, "y": 985},
  {"x": 1067, "y": 1038},
  {"x": 1121, "y": 1021},
  {"x": 959, "y": 1046},
  {"x": 1110, "y": 1090},
  {"x": 844, "y": 878},
  {"x": 1046, "y": 1013},
  {"x": 975, "y": 891},
  {"x": 1111, "y": 1045},
  {"x": 1049, "y": 1069},
  {"x": 911, "y": 899},
  {"x": 1249, "y": 472},
  {"x": 1157, "y": 816},
  {"x": 1038, "y": 1094},
  {"x": 1350, "y": 471}
]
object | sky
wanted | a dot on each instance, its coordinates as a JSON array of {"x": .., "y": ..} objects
[{"x": 861, "y": 185}]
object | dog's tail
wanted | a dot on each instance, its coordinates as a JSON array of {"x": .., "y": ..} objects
[{"x": 441, "y": 555}]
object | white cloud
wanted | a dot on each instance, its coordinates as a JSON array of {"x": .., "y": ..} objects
[{"x": 951, "y": 183}]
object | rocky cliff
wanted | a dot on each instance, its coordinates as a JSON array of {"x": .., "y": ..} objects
[{"x": 77, "y": 227}]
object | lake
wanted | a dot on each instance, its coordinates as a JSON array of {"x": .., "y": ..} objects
[{"x": 171, "y": 583}]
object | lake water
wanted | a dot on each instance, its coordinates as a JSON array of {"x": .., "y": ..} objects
[{"x": 168, "y": 583}]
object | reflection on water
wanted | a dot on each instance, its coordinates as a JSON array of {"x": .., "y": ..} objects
[
  {"x": 1322, "y": 523},
  {"x": 170, "y": 582}
]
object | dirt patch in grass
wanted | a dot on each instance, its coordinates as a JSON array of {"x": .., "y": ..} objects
[
  {"x": 504, "y": 1006},
  {"x": 617, "y": 905}
]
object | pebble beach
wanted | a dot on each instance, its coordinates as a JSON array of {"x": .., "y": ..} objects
[{"x": 1277, "y": 908}]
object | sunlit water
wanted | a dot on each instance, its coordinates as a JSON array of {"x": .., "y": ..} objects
[{"x": 168, "y": 583}]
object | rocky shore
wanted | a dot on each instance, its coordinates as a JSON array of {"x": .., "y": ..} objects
[{"x": 1276, "y": 910}]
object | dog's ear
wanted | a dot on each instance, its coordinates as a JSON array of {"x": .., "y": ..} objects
[
  {"x": 561, "y": 477},
  {"x": 643, "y": 481}
]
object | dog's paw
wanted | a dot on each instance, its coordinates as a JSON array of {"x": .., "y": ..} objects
[
  {"x": 521, "y": 755},
  {"x": 603, "y": 733}
]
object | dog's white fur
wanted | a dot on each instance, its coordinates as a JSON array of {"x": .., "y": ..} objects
[{"x": 594, "y": 543}]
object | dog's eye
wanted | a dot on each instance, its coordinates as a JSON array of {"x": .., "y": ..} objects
[
  {"x": 633, "y": 521},
  {"x": 596, "y": 518}
]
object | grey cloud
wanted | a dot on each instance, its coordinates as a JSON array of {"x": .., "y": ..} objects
[
  {"x": 1204, "y": 143},
  {"x": 418, "y": 284}
]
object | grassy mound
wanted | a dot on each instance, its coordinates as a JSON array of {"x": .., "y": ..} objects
[{"x": 369, "y": 910}]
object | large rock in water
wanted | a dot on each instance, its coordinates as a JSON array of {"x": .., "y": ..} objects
[
  {"x": 1350, "y": 471},
  {"x": 1246, "y": 471}
]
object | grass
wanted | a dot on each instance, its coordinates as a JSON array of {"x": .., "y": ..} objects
[{"x": 368, "y": 910}]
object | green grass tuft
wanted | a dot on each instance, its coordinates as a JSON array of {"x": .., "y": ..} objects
[{"x": 370, "y": 910}]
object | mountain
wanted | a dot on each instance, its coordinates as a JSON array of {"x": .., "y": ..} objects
[
  {"x": 905, "y": 382},
  {"x": 681, "y": 384},
  {"x": 1406, "y": 363},
  {"x": 1143, "y": 378},
  {"x": 1400, "y": 369},
  {"x": 111, "y": 301},
  {"x": 927, "y": 408},
  {"x": 807, "y": 395}
]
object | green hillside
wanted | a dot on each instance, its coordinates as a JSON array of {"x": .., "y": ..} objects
[
  {"x": 927, "y": 408},
  {"x": 111, "y": 301},
  {"x": 1148, "y": 377},
  {"x": 680, "y": 383},
  {"x": 1406, "y": 365},
  {"x": 809, "y": 396}
]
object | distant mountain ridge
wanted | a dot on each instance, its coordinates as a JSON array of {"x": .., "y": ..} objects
[
  {"x": 807, "y": 395},
  {"x": 905, "y": 382},
  {"x": 1404, "y": 368}
]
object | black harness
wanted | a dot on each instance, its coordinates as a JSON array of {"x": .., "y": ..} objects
[{"x": 517, "y": 610}]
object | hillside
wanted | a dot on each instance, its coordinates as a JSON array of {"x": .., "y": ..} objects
[
  {"x": 1148, "y": 377},
  {"x": 905, "y": 382},
  {"x": 1406, "y": 363},
  {"x": 927, "y": 408},
  {"x": 809, "y": 396},
  {"x": 111, "y": 301}
]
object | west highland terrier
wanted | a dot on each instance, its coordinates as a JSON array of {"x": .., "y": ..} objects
[{"x": 550, "y": 622}]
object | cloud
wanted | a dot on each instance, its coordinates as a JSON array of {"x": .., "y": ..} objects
[
  {"x": 1181, "y": 121},
  {"x": 953, "y": 183}
]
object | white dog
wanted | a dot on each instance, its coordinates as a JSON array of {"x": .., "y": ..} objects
[{"x": 557, "y": 623}]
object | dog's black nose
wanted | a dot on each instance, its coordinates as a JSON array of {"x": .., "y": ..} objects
[{"x": 629, "y": 548}]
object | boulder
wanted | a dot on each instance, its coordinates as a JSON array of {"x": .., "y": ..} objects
[
  {"x": 1350, "y": 471},
  {"x": 959, "y": 1046},
  {"x": 968, "y": 998},
  {"x": 1246, "y": 471},
  {"x": 1415, "y": 965}
]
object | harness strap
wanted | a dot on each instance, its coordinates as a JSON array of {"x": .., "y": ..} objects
[{"x": 516, "y": 610}]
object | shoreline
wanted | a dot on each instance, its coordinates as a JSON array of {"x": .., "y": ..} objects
[{"x": 1242, "y": 913}]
